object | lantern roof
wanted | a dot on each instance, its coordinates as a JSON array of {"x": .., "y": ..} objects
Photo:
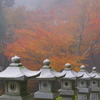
[
  {"x": 48, "y": 73},
  {"x": 95, "y": 73},
  {"x": 86, "y": 75},
  {"x": 69, "y": 73},
  {"x": 16, "y": 71}
]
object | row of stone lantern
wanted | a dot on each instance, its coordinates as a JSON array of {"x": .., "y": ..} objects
[{"x": 16, "y": 77}]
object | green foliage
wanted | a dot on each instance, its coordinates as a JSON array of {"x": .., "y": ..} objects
[
  {"x": 76, "y": 97},
  {"x": 59, "y": 98}
]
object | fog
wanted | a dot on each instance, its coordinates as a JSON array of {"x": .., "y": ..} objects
[
  {"x": 70, "y": 16},
  {"x": 33, "y": 4},
  {"x": 30, "y": 4},
  {"x": 42, "y": 4}
]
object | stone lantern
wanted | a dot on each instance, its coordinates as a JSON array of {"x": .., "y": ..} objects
[
  {"x": 94, "y": 84},
  {"x": 15, "y": 77},
  {"x": 83, "y": 83},
  {"x": 68, "y": 83},
  {"x": 47, "y": 79}
]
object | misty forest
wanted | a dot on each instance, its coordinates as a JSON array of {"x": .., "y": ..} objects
[{"x": 64, "y": 31}]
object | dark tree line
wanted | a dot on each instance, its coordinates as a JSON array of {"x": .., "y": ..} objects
[
  {"x": 8, "y": 3},
  {"x": 2, "y": 20},
  {"x": 4, "y": 3},
  {"x": 3, "y": 59}
]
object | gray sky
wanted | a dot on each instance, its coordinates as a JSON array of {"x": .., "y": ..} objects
[
  {"x": 33, "y": 4},
  {"x": 45, "y": 5}
]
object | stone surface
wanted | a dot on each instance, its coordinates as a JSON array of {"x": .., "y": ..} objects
[
  {"x": 94, "y": 96},
  {"x": 46, "y": 63},
  {"x": 82, "y": 83},
  {"x": 12, "y": 88},
  {"x": 94, "y": 73},
  {"x": 67, "y": 84},
  {"x": 16, "y": 88},
  {"x": 47, "y": 80},
  {"x": 48, "y": 73},
  {"x": 94, "y": 83},
  {"x": 83, "y": 90},
  {"x": 95, "y": 89},
  {"x": 67, "y": 92},
  {"x": 15, "y": 59},
  {"x": 67, "y": 98},
  {"x": 83, "y": 97},
  {"x": 17, "y": 72},
  {"x": 46, "y": 95},
  {"x": 69, "y": 73},
  {"x": 47, "y": 86},
  {"x": 8, "y": 97},
  {"x": 16, "y": 77},
  {"x": 85, "y": 74}
]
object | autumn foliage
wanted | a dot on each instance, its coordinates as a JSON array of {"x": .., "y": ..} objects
[
  {"x": 61, "y": 35},
  {"x": 34, "y": 47}
]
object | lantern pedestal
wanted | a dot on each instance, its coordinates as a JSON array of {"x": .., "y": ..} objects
[
  {"x": 67, "y": 94},
  {"x": 83, "y": 96},
  {"x": 46, "y": 95},
  {"x": 94, "y": 96},
  {"x": 10, "y": 97},
  {"x": 68, "y": 98}
]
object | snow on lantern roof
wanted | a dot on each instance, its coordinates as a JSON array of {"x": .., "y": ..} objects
[
  {"x": 48, "y": 73},
  {"x": 94, "y": 73},
  {"x": 16, "y": 71}
]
